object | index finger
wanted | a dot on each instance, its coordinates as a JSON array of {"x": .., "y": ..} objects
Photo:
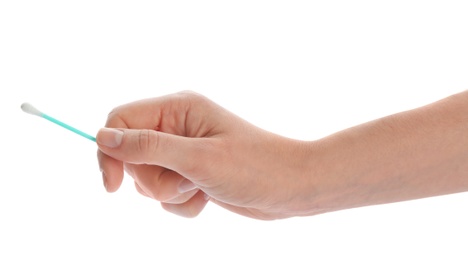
[{"x": 166, "y": 114}]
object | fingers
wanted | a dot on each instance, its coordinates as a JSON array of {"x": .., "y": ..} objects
[
  {"x": 112, "y": 171},
  {"x": 181, "y": 154},
  {"x": 159, "y": 138},
  {"x": 189, "y": 209},
  {"x": 182, "y": 198},
  {"x": 177, "y": 114},
  {"x": 177, "y": 194},
  {"x": 140, "y": 190},
  {"x": 166, "y": 120},
  {"x": 161, "y": 184}
]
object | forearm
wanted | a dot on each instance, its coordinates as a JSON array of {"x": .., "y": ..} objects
[{"x": 413, "y": 154}]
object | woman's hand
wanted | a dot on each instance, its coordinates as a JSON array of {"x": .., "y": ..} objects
[{"x": 184, "y": 150}]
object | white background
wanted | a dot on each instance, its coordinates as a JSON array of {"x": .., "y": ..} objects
[{"x": 303, "y": 69}]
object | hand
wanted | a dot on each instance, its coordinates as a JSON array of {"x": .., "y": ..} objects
[{"x": 184, "y": 150}]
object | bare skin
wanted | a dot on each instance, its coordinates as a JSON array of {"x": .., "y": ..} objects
[{"x": 184, "y": 150}]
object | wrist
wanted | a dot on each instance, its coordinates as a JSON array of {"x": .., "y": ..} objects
[
  {"x": 328, "y": 180},
  {"x": 307, "y": 190}
]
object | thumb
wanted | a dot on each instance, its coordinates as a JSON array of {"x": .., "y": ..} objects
[{"x": 147, "y": 147}]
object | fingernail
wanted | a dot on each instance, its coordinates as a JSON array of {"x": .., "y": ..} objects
[
  {"x": 185, "y": 186},
  {"x": 109, "y": 137},
  {"x": 104, "y": 181},
  {"x": 206, "y": 197}
]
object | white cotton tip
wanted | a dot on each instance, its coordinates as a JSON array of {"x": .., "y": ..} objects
[{"x": 28, "y": 108}]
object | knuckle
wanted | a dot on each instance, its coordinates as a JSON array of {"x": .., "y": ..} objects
[
  {"x": 191, "y": 96},
  {"x": 115, "y": 119},
  {"x": 113, "y": 113},
  {"x": 148, "y": 142}
]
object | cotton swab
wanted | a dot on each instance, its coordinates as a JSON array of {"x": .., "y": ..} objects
[{"x": 28, "y": 108}]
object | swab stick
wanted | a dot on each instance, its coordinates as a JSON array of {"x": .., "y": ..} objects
[{"x": 28, "y": 108}]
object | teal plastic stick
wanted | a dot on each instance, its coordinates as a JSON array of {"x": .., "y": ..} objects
[{"x": 74, "y": 130}]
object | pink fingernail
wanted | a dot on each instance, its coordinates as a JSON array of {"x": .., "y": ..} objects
[{"x": 109, "y": 137}]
